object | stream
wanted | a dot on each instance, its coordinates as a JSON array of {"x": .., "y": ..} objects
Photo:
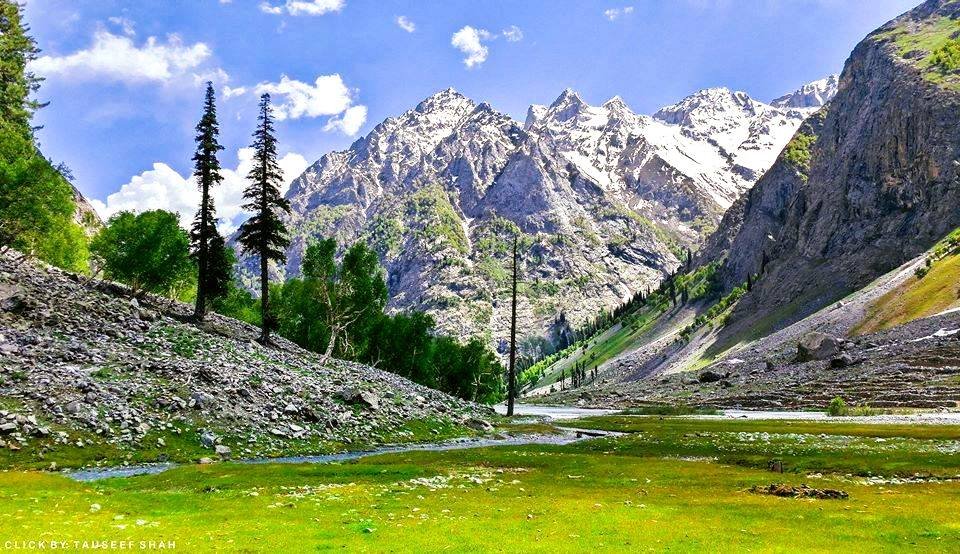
[{"x": 568, "y": 436}]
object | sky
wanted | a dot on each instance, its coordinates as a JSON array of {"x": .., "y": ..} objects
[{"x": 124, "y": 79}]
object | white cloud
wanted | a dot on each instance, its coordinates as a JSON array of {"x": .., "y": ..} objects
[
  {"x": 164, "y": 188},
  {"x": 404, "y": 23},
  {"x": 230, "y": 92},
  {"x": 265, "y": 7},
  {"x": 303, "y": 7},
  {"x": 349, "y": 122},
  {"x": 125, "y": 25},
  {"x": 615, "y": 13},
  {"x": 328, "y": 95},
  {"x": 513, "y": 34},
  {"x": 118, "y": 58},
  {"x": 470, "y": 41}
]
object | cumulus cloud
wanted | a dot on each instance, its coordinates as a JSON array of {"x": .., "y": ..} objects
[
  {"x": 230, "y": 92},
  {"x": 303, "y": 7},
  {"x": 513, "y": 34},
  {"x": 163, "y": 188},
  {"x": 615, "y": 13},
  {"x": 118, "y": 58},
  {"x": 404, "y": 23},
  {"x": 349, "y": 122},
  {"x": 470, "y": 41},
  {"x": 328, "y": 95}
]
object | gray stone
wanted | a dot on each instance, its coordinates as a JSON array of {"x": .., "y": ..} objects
[
  {"x": 817, "y": 346},
  {"x": 223, "y": 451},
  {"x": 710, "y": 376},
  {"x": 208, "y": 439},
  {"x": 7, "y": 428}
]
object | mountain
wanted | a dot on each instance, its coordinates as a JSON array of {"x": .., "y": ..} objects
[
  {"x": 810, "y": 95},
  {"x": 607, "y": 200},
  {"x": 848, "y": 248},
  {"x": 869, "y": 183}
]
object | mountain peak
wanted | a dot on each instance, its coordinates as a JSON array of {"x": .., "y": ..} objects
[
  {"x": 616, "y": 104},
  {"x": 568, "y": 97},
  {"x": 447, "y": 99},
  {"x": 810, "y": 95}
]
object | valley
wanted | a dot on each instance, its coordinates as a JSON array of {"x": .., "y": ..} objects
[{"x": 729, "y": 325}]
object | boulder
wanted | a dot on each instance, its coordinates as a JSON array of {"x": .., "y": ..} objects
[
  {"x": 356, "y": 396},
  {"x": 72, "y": 407},
  {"x": 223, "y": 451},
  {"x": 817, "y": 346},
  {"x": 208, "y": 439},
  {"x": 8, "y": 427},
  {"x": 841, "y": 361},
  {"x": 710, "y": 377},
  {"x": 478, "y": 424}
]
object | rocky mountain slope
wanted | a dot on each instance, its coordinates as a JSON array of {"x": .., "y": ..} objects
[
  {"x": 838, "y": 237},
  {"x": 606, "y": 200},
  {"x": 871, "y": 182},
  {"x": 85, "y": 367}
]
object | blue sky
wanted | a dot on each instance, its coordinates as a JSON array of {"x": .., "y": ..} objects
[{"x": 123, "y": 104}]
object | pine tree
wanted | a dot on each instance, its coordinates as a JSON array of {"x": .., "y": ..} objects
[
  {"x": 513, "y": 336},
  {"x": 264, "y": 234},
  {"x": 17, "y": 50},
  {"x": 204, "y": 231}
]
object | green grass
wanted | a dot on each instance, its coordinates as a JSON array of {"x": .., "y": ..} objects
[
  {"x": 669, "y": 410},
  {"x": 931, "y": 48},
  {"x": 647, "y": 491},
  {"x": 797, "y": 152},
  {"x": 916, "y": 298}
]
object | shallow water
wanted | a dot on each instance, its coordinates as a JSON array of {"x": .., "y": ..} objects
[
  {"x": 569, "y": 436},
  {"x": 552, "y": 412}
]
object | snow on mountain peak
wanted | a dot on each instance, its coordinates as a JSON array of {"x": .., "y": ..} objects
[{"x": 810, "y": 95}]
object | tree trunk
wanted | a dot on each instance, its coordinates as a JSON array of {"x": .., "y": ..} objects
[
  {"x": 330, "y": 345},
  {"x": 512, "y": 386},
  {"x": 264, "y": 301},
  {"x": 201, "y": 308}
]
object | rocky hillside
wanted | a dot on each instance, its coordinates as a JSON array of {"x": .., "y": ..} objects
[
  {"x": 868, "y": 184},
  {"x": 84, "y": 367},
  {"x": 606, "y": 200}
]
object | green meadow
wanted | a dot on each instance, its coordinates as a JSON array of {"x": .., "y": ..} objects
[{"x": 674, "y": 484}]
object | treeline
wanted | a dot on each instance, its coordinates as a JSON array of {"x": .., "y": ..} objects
[{"x": 336, "y": 308}]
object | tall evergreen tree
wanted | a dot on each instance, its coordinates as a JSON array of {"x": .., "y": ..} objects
[
  {"x": 17, "y": 83},
  {"x": 264, "y": 234},
  {"x": 204, "y": 231},
  {"x": 512, "y": 383}
]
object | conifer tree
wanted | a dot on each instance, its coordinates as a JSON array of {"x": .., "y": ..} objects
[
  {"x": 512, "y": 377},
  {"x": 204, "y": 231},
  {"x": 265, "y": 234},
  {"x": 17, "y": 83}
]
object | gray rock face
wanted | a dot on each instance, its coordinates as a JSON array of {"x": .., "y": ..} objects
[
  {"x": 880, "y": 185},
  {"x": 605, "y": 200}
]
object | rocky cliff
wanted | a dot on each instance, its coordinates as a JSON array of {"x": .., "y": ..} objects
[
  {"x": 868, "y": 184},
  {"x": 606, "y": 200}
]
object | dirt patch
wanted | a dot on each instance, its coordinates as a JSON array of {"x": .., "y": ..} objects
[{"x": 803, "y": 491}]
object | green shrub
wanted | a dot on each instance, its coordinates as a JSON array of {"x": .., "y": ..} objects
[{"x": 837, "y": 407}]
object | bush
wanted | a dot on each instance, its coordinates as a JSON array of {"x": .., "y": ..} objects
[
  {"x": 148, "y": 251},
  {"x": 837, "y": 407}
]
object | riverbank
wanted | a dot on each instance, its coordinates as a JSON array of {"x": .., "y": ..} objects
[{"x": 671, "y": 483}]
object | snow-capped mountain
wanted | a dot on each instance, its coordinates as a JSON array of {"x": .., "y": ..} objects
[
  {"x": 810, "y": 95},
  {"x": 607, "y": 200}
]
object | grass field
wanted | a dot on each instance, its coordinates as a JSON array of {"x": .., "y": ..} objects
[
  {"x": 671, "y": 484},
  {"x": 935, "y": 292}
]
